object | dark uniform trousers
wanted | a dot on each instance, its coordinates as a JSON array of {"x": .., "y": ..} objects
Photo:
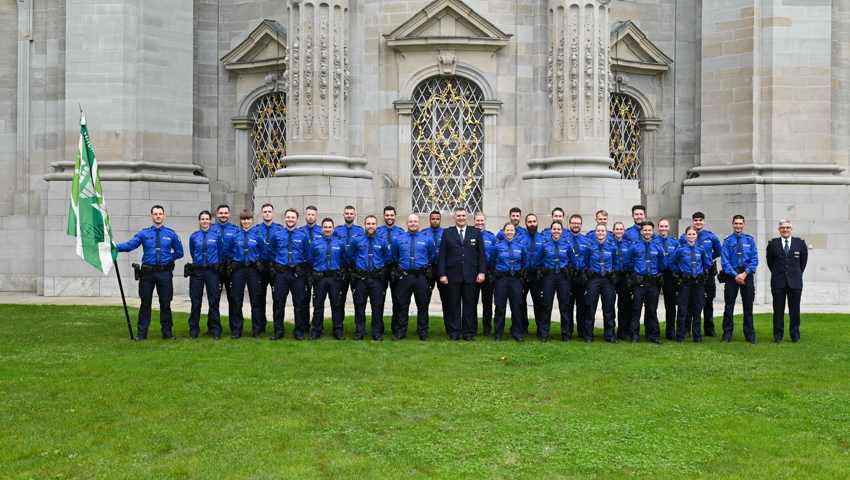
[
  {"x": 730, "y": 294},
  {"x": 599, "y": 286},
  {"x": 508, "y": 289},
  {"x": 161, "y": 280},
  {"x": 328, "y": 285},
  {"x": 415, "y": 284},
  {"x": 308, "y": 296},
  {"x": 447, "y": 313},
  {"x": 205, "y": 278},
  {"x": 487, "y": 304},
  {"x": 393, "y": 287},
  {"x": 555, "y": 284},
  {"x": 227, "y": 283},
  {"x": 670, "y": 301},
  {"x": 533, "y": 285},
  {"x": 245, "y": 276},
  {"x": 577, "y": 309},
  {"x": 793, "y": 296},
  {"x": 266, "y": 280},
  {"x": 646, "y": 298},
  {"x": 624, "y": 306},
  {"x": 710, "y": 289},
  {"x": 690, "y": 301},
  {"x": 285, "y": 283},
  {"x": 375, "y": 291}
]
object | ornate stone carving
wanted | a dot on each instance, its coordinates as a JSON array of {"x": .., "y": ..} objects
[
  {"x": 308, "y": 77},
  {"x": 446, "y": 61},
  {"x": 295, "y": 81},
  {"x": 323, "y": 76}
]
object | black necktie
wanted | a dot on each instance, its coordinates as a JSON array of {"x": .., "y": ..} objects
[
  {"x": 787, "y": 246},
  {"x": 328, "y": 253},
  {"x": 309, "y": 238},
  {"x": 410, "y": 251},
  {"x": 693, "y": 261},
  {"x": 289, "y": 247},
  {"x": 601, "y": 258},
  {"x": 369, "y": 253},
  {"x": 557, "y": 257},
  {"x": 244, "y": 245},
  {"x": 158, "y": 246},
  {"x": 460, "y": 231},
  {"x": 511, "y": 258},
  {"x": 647, "y": 260},
  {"x": 204, "y": 249},
  {"x": 739, "y": 250}
]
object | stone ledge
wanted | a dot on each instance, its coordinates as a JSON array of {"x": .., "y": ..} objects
[
  {"x": 753, "y": 173},
  {"x": 134, "y": 172}
]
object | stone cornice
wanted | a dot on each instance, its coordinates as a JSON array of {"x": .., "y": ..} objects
[
  {"x": 134, "y": 172},
  {"x": 753, "y": 173}
]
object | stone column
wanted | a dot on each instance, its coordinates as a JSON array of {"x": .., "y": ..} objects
[
  {"x": 766, "y": 145},
  {"x": 575, "y": 174},
  {"x": 319, "y": 169}
]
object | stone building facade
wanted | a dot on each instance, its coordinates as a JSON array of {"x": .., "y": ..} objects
[{"x": 739, "y": 106}]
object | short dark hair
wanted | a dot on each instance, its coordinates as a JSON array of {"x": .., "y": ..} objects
[
  {"x": 738, "y": 216},
  {"x": 690, "y": 227},
  {"x": 204, "y": 212},
  {"x": 663, "y": 219},
  {"x": 388, "y": 208},
  {"x": 223, "y": 205},
  {"x": 514, "y": 210},
  {"x": 246, "y": 214},
  {"x": 638, "y": 207},
  {"x": 370, "y": 216},
  {"x": 327, "y": 219},
  {"x": 557, "y": 209},
  {"x": 311, "y": 207},
  {"x": 530, "y": 214},
  {"x": 508, "y": 224},
  {"x": 575, "y": 215},
  {"x": 435, "y": 212},
  {"x": 556, "y": 222},
  {"x": 698, "y": 216},
  {"x": 291, "y": 210},
  {"x": 266, "y": 205},
  {"x": 159, "y": 207},
  {"x": 647, "y": 224},
  {"x": 347, "y": 207}
]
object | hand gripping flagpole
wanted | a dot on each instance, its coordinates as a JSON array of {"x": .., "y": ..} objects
[{"x": 123, "y": 299}]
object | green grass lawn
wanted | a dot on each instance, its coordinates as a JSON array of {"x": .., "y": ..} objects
[{"x": 78, "y": 400}]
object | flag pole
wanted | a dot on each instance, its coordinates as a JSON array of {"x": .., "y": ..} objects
[{"x": 123, "y": 298}]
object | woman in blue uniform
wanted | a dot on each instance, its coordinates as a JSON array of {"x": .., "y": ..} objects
[
  {"x": 689, "y": 264},
  {"x": 599, "y": 260},
  {"x": 203, "y": 246},
  {"x": 510, "y": 259},
  {"x": 558, "y": 258},
  {"x": 244, "y": 255}
]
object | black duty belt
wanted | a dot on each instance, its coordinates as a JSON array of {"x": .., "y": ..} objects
[{"x": 168, "y": 267}]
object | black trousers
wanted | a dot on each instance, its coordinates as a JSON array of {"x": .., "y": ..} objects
[
  {"x": 227, "y": 283},
  {"x": 508, "y": 290},
  {"x": 730, "y": 294},
  {"x": 447, "y": 307},
  {"x": 375, "y": 291},
  {"x": 328, "y": 287},
  {"x": 710, "y": 289},
  {"x": 577, "y": 310},
  {"x": 308, "y": 295},
  {"x": 555, "y": 284},
  {"x": 691, "y": 299},
  {"x": 533, "y": 285},
  {"x": 207, "y": 278},
  {"x": 646, "y": 298},
  {"x": 670, "y": 300},
  {"x": 417, "y": 286},
  {"x": 393, "y": 287},
  {"x": 600, "y": 287},
  {"x": 266, "y": 280},
  {"x": 286, "y": 283},
  {"x": 160, "y": 280},
  {"x": 463, "y": 298},
  {"x": 241, "y": 278},
  {"x": 487, "y": 304},
  {"x": 625, "y": 302},
  {"x": 793, "y": 296}
]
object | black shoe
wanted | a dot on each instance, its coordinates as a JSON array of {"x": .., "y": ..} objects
[
  {"x": 276, "y": 336},
  {"x": 396, "y": 338},
  {"x": 314, "y": 336},
  {"x": 612, "y": 340},
  {"x": 795, "y": 340},
  {"x": 710, "y": 334},
  {"x": 140, "y": 339},
  {"x": 299, "y": 337},
  {"x": 656, "y": 341},
  {"x": 216, "y": 336},
  {"x": 339, "y": 336},
  {"x": 359, "y": 336},
  {"x": 518, "y": 338},
  {"x": 752, "y": 341},
  {"x": 486, "y": 332},
  {"x": 378, "y": 338},
  {"x": 193, "y": 336},
  {"x": 588, "y": 339},
  {"x": 680, "y": 340},
  {"x": 544, "y": 339},
  {"x": 256, "y": 335},
  {"x": 777, "y": 340},
  {"x": 670, "y": 336},
  {"x": 565, "y": 338},
  {"x": 169, "y": 337},
  {"x": 454, "y": 338},
  {"x": 726, "y": 340},
  {"x": 235, "y": 336},
  {"x": 634, "y": 339},
  {"x": 468, "y": 338},
  {"x": 697, "y": 339},
  {"x": 497, "y": 337}
]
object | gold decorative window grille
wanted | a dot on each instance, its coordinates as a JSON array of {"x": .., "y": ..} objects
[
  {"x": 268, "y": 135},
  {"x": 625, "y": 140},
  {"x": 447, "y": 145}
]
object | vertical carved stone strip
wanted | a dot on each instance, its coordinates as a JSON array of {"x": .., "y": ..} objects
[
  {"x": 294, "y": 72},
  {"x": 337, "y": 72},
  {"x": 324, "y": 13},
  {"x": 572, "y": 32},
  {"x": 309, "y": 70}
]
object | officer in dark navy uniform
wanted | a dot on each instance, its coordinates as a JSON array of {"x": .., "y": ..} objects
[
  {"x": 161, "y": 247},
  {"x": 413, "y": 252},
  {"x": 266, "y": 270},
  {"x": 203, "y": 247},
  {"x": 329, "y": 260},
  {"x": 511, "y": 257},
  {"x": 312, "y": 229},
  {"x": 599, "y": 259},
  {"x": 489, "y": 239},
  {"x": 690, "y": 264},
  {"x": 245, "y": 251},
  {"x": 786, "y": 258},
  {"x": 371, "y": 255},
  {"x": 288, "y": 246},
  {"x": 388, "y": 231},
  {"x": 646, "y": 267},
  {"x": 556, "y": 260},
  {"x": 226, "y": 232},
  {"x": 740, "y": 260},
  {"x": 578, "y": 279},
  {"x": 669, "y": 244}
]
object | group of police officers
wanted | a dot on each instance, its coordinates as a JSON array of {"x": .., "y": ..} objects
[{"x": 628, "y": 269}]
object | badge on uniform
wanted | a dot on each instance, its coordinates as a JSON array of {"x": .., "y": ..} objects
[{"x": 472, "y": 241}]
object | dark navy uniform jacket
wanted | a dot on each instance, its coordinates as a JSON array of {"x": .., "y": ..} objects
[
  {"x": 786, "y": 269},
  {"x": 212, "y": 255},
  {"x": 709, "y": 241},
  {"x": 622, "y": 254},
  {"x": 461, "y": 261},
  {"x": 310, "y": 233},
  {"x": 170, "y": 248},
  {"x": 579, "y": 245}
]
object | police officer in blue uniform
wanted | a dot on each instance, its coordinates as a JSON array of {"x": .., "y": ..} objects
[
  {"x": 556, "y": 260},
  {"x": 161, "y": 247},
  {"x": 347, "y": 232},
  {"x": 371, "y": 253},
  {"x": 435, "y": 234},
  {"x": 312, "y": 230},
  {"x": 329, "y": 259},
  {"x": 266, "y": 264},
  {"x": 632, "y": 233},
  {"x": 601, "y": 217},
  {"x": 668, "y": 288},
  {"x": 489, "y": 239},
  {"x": 786, "y": 258},
  {"x": 413, "y": 252},
  {"x": 647, "y": 266},
  {"x": 534, "y": 272},
  {"x": 578, "y": 279},
  {"x": 622, "y": 261},
  {"x": 739, "y": 259},
  {"x": 511, "y": 258},
  {"x": 388, "y": 231},
  {"x": 203, "y": 247},
  {"x": 711, "y": 244},
  {"x": 245, "y": 251},
  {"x": 690, "y": 263},
  {"x": 599, "y": 260},
  {"x": 227, "y": 233},
  {"x": 289, "y": 252}
]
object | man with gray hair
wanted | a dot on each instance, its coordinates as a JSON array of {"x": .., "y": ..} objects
[{"x": 786, "y": 259}]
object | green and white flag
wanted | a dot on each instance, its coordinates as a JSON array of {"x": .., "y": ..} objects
[{"x": 87, "y": 217}]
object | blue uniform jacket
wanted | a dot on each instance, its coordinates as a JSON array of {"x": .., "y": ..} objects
[
  {"x": 579, "y": 245},
  {"x": 226, "y": 233},
  {"x": 196, "y": 247},
  {"x": 436, "y": 237},
  {"x": 681, "y": 260},
  {"x": 622, "y": 254},
  {"x": 247, "y": 246},
  {"x": 288, "y": 247},
  {"x": 510, "y": 256},
  {"x": 731, "y": 258},
  {"x": 264, "y": 233},
  {"x": 709, "y": 241},
  {"x": 521, "y": 234},
  {"x": 424, "y": 251},
  {"x": 170, "y": 248},
  {"x": 310, "y": 233},
  {"x": 489, "y": 247},
  {"x": 591, "y": 235},
  {"x": 347, "y": 233},
  {"x": 599, "y": 257},
  {"x": 553, "y": 251},
  {"x": 360, "y": 252},
  {"x": 632, "y": 233},
  {"x": 669, "y": 245},
  {"x": 389, "y": 234},
  {"x": 328, "y": 254},
  {"x": 652, "y": 265},
  {"x": 535, "y": 246}
]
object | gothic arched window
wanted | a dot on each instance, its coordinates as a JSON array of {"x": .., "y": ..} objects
[
  {"x": 625, "y": 141},
  {"x": 447, "y": 145},
  {"x": 268, "y": 135}
]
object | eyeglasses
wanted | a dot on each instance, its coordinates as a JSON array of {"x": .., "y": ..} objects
[{"x": 784, "y": 228}]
